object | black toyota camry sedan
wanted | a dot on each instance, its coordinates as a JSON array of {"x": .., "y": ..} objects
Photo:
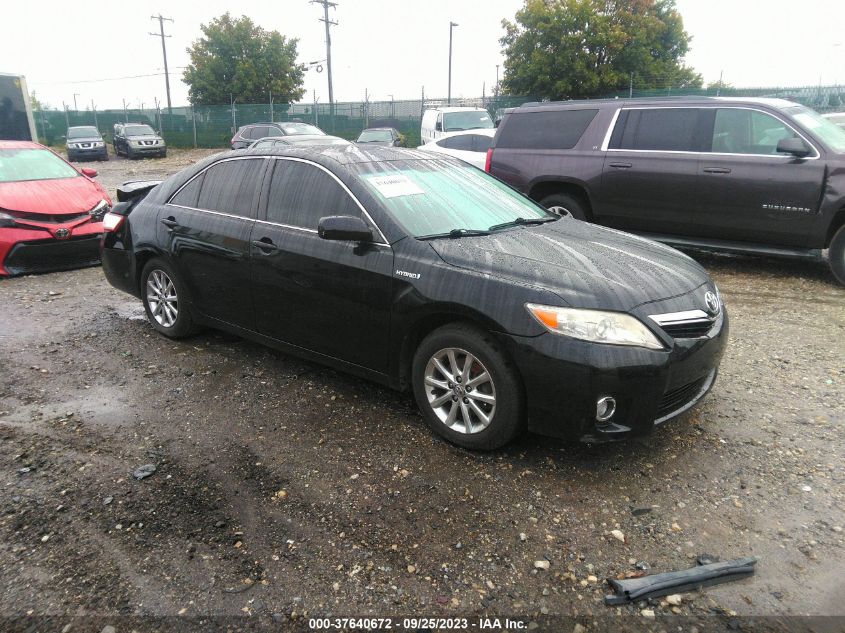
[{"x": 425, "y": 274}]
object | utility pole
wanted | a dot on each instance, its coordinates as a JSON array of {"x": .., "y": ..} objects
[
  {"x": 67, "y": 119},
  {"x": 631, "y": 87},
  {"x": 497, "y": 81},
  {"x": 449, "y": 95},
  {"x": 329, "y": 23},
  {"x": 75, "y": 95},
  {"x": 161, "y": 19}
]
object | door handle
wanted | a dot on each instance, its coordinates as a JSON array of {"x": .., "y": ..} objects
[
  {"x": 170, "y": 222},
  {"x": 265, "y": 244},
  {"x": 716, "y": 170},
  {"x": 621, "y": 165}
]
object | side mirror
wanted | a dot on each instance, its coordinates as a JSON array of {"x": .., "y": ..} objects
[
  {"x": 438, "y": 126},
  {"x": 794, "y": 146},
  {"x": 397, "y": 142},
  {"x": 87, "y": 171},
  {"x": 344, "y": 228}
]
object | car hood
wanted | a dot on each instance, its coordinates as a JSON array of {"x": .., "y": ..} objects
[
  {"x": 86, "y": 139},
  {"x": 586, "y": 265},
  {"x": 51, "y": 197},
  {"x": 144, "y": 137}
]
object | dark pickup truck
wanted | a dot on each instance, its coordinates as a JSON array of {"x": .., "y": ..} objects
[{"x": 737, "y": 175}]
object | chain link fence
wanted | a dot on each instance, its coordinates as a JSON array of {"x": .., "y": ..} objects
[{"x": 213, "y": 126}]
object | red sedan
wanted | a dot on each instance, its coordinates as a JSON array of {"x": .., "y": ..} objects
[{"x": 51, "y": 215}]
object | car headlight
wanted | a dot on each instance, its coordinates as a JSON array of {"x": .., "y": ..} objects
[
  {"x": 597, "y": 326},
  {"x": 100, "y": 209},
  {"x": 98, "y": 144}
]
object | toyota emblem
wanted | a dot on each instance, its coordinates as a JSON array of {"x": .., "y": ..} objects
[
  {"x": 62, "y": 234},
  {"x": 712, "y": 301}
]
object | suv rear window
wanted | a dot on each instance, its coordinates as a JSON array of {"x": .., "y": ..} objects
[
  {"x": 553, "y": 129},
  {"x": 657, "y": 129}
]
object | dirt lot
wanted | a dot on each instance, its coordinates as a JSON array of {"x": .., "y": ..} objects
[{"x": 283, "y": 489}]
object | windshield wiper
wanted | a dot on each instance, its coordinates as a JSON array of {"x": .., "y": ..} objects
[
  {"x": 455, "y": 233},
  {"x": 522, "y": 222}
]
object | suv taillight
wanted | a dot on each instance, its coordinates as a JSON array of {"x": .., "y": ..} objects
[
  {"x": 488, "y": 159},
  {"x": 112, "y": 222},
  {"x": 234, "y": 138}
]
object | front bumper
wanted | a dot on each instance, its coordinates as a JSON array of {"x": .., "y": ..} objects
[
  {"x": 147, "y": 150},
  {"x": 23, "y": 252},
  {"x": 87, "y": 152},
  {"x": 564, "y": 378}
]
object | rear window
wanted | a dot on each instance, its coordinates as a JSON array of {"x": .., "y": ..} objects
[
  {"x": 553, "y": 129},
  {"x": 658, "y": 129}
]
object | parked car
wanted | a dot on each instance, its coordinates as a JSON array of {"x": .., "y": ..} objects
[
  {"x": 84, "y": 142},
  {"x": 138, "y": 139},
  {"x": 50, "y": 213},
  {"x": 389, "y": 136},
  {"x": 300, "y": 140},
  {"x": 730, "y": 174},
  {"x": 423, "y": 273},
  {"x": 470, "y": 147},
  {"x": 439, "y": 122},
  {"x": 836, "y": 117},
  {"x": 247, "y": 134}
]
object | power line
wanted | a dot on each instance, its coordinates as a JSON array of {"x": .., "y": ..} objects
[
  {"x": 161, "y": 34},
  {"x": 91, "y": 81}
]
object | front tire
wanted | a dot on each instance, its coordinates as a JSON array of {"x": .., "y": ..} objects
[
  {"x": 836, "y": 255},
  {"x": 564, "y": 201},
  {"x": 467, "y": 389},
  {"x": 164, "y": 300}
]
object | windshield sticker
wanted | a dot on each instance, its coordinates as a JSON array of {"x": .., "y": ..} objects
[{"x": 395, "y": 186}]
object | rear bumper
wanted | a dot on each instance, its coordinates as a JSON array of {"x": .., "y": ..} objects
[{"x": 564, "y": 378}]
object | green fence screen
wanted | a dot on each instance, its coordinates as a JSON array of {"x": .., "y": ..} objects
[{"x": 213, "y": 126}]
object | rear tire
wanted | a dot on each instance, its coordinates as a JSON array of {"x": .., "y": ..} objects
[
  {"x": 836, "y": 255},
  {"x": 165, "y": 303},
  {"x": 459, "y": 374},
  {"x": 576, "y": 208}
]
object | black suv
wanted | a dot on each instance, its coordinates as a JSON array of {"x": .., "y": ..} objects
[
  {"x": 84, "y": 142},
  {"x": 138, "y": 139},
  {"x": 248, "y": 134},
  {"x": 742, "y": 175}
]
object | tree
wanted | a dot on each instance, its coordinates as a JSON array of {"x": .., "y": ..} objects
[
  {"x": 572, "y": 49},
  {"x": 237, "y": 58}
]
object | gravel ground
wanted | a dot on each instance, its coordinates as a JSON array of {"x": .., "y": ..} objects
[{"x": 283, "y": 489}]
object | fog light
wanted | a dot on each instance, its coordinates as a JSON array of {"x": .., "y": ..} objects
[{"x": 605, "y": 408}]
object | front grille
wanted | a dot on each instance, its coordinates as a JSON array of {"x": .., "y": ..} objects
[
  {"x": 689, "y": 329},
  {"x": 689, "y": 324},
  {"x": 47, "y": 255},
  {"x": 50, "y": 218},
  {"x": 678, "y": 397}
]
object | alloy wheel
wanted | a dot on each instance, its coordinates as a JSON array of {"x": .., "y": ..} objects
[
  {"x": 162, "y": 299},
  {"x": 460, "y": 390}
]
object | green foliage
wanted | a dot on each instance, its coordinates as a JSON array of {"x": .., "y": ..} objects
[
  {"x": 573, "y": 49},
  {"x": 238, "y": 58}
]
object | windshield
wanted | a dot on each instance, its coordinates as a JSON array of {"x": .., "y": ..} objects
[
  {"x": 830, "y": 134},
  {"x": 434, "y": 197},
  {"x": 138, "y": 130},
  {"x": 83, "y": 132},
  {"x": 32, "y": 164},
  {"x": 471, "y": 120},
  {"x": 299, "y": 128},
  {"x": 375, "y": 136}
]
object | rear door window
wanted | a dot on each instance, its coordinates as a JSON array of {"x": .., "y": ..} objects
[
  {"x": 552, "y": 129},
  {"x": 301, "y": 194},
  {"x": 658, "y": 129},
  {"x": 231, "y": 187}
]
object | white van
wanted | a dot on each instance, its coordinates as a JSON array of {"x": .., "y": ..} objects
[{"x": 439, "y": 122}]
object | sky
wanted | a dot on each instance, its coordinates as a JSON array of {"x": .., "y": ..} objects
[{"x": 388, "y": 47}]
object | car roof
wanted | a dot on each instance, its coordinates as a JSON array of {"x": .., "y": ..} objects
[
  {"x": 20, "y": 145},
  {"x": 340, "y": 154},
  {"x": 300, "y": 138},
  {"x": 680, "y": 100},
  {"x": 377, "y": 128},
  {"x": 76, "y": 127}
]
